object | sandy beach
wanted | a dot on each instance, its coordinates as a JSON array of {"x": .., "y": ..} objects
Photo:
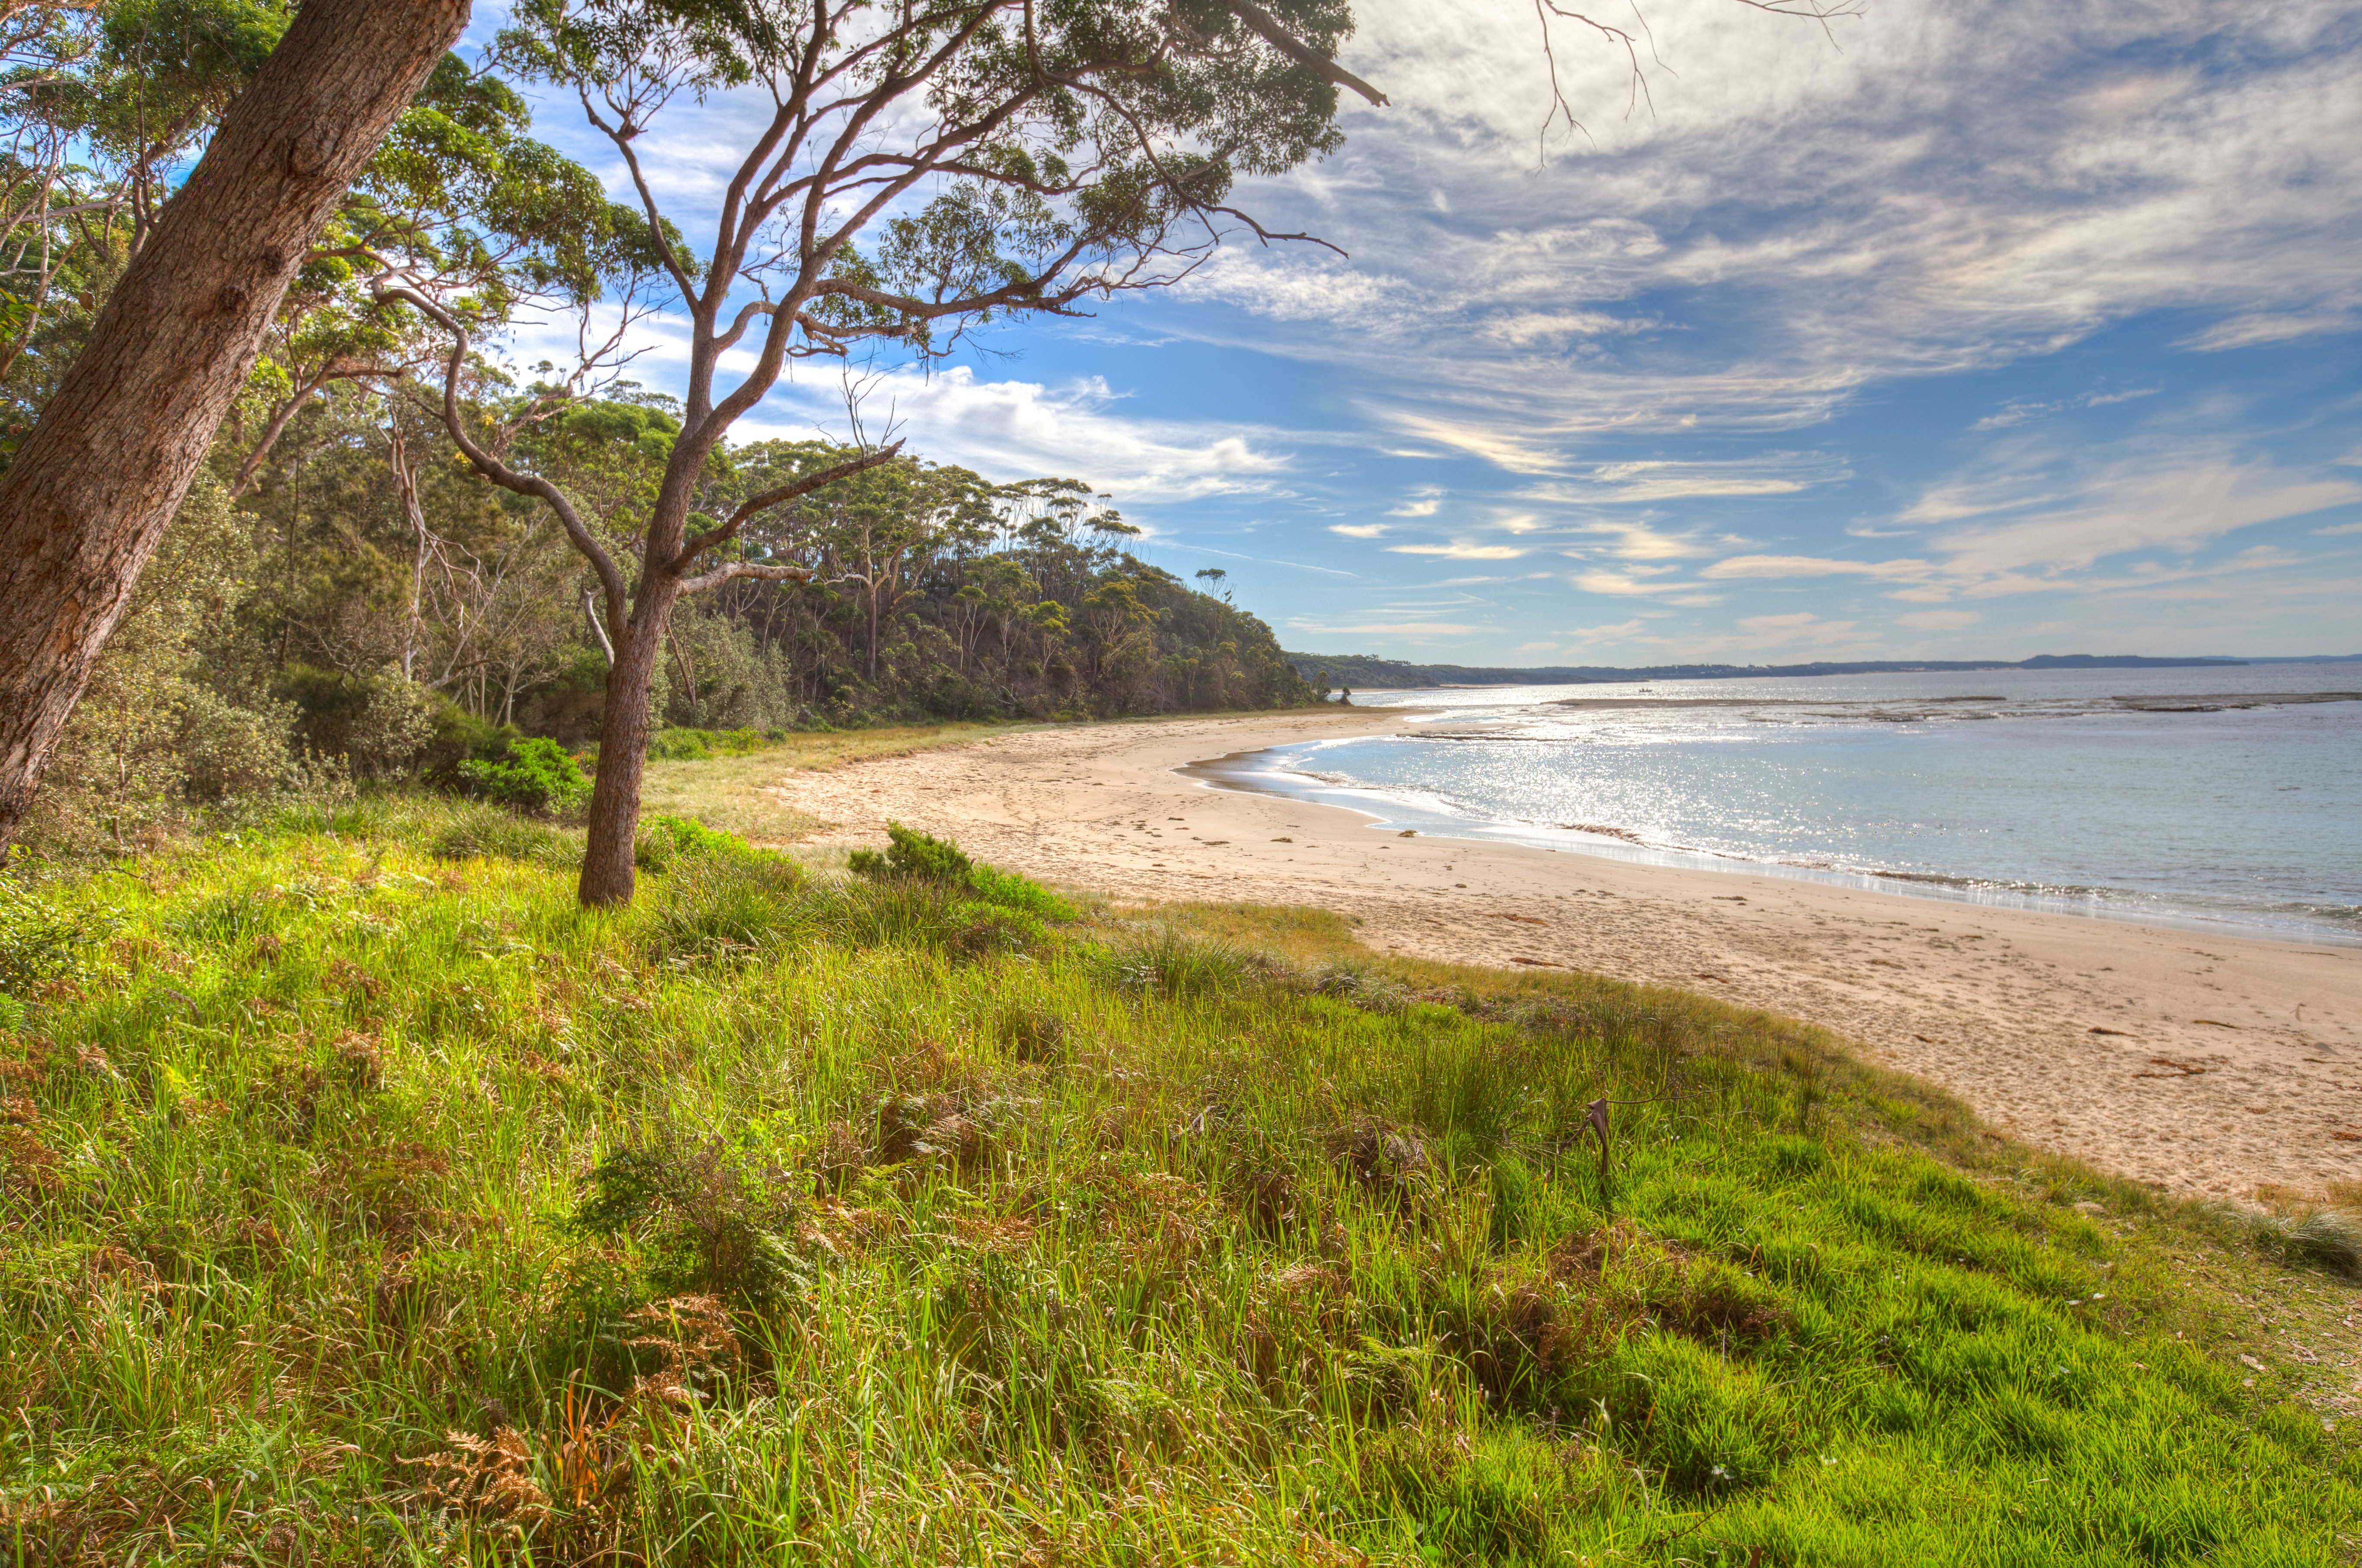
[{"x": 2199, "y": 1062}]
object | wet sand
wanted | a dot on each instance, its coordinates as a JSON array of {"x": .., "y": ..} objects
[{"x": 2201, "y": 1063}]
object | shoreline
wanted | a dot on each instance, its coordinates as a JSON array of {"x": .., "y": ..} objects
[
  {"x": 2204, "y": 1064},
  {"x": 1235, "y": 772}
]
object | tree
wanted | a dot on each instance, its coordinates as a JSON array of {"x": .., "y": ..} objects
[
  {"x": 1008, "y": 156},
  {"x": 87, "y": 496},
  {"x": 926, "y": 168}
]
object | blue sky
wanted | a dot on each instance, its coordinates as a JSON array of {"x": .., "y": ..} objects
[{"x": 1981, "y": 330}]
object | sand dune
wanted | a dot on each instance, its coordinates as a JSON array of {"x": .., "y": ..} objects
[{"x": 2199, "y": 1062}]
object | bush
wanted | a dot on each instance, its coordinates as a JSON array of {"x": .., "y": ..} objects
[
  {"x": 379, "y": 722},
  {"x": 173, "y": 714},
  {"x": 459, "y": 735},
  {"x": 37, "y": 943},
  {"x": 537, "y": 775},
  {"x": 914, "y": 857}
]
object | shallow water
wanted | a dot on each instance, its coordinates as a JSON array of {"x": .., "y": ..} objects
[{"x": 2218, "y": 796}]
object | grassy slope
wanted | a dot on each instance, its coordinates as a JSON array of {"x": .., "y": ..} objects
[{"x": 362, "y": 1203}]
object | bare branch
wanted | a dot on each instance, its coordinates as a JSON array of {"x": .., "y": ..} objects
[
  {"x": 736, "y": 570},
  {"x": 759, "y": 503},
  {"x": 499, "y": 473}
]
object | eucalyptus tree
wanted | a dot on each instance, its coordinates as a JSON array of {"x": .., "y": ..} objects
[
  {"x": 88, "y": 494},
  {"x": 914, "y": 170},
  {"x": 459, "y": 205}
]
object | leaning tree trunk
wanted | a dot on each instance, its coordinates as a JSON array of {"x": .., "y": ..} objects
[
  {"x": 90, "y": 493},
  {"x": 614, "y": 820}
]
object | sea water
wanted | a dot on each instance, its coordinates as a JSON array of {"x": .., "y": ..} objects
[{"x": 2225, "y": 796}]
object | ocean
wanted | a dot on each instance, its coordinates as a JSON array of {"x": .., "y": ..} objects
[{"x": 2221, "y": 798}]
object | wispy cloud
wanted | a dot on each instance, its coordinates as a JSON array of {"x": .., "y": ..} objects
[
  {"x": 1414, "y": 630},
  {"x": 2247, "y": 331},
  {"x": 1815, "y": 565},
  {"x": 1459, "y": 551},
  {"x": 2018, "y": 411}
]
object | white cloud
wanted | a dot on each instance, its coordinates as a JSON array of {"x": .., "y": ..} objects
[
  {"x": 1358, "y": 530},
  {"x": 1459, "y": 551},
  {"x": 1802, "y": 626},
  {"x": 2136, "y": 507},
  {"x": 1619, "y": 582},
  {"x": 2337, "y": 530},
  {"x": 1942, "y": 190},
  {"x": 1939, "y": 620},
  {"x": 1641, "y": 541},
  {"x": 1814, "y": 566},
  {"x": 2247, "y": 331},
  {"x": 1016, "y": 429}
]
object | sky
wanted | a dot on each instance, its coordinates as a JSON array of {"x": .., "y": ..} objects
[{"x": 1971, "y": 331}]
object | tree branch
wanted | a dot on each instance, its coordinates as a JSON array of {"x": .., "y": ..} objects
[
  {"x": 736, "y": 570},
  {"x": 507, "y": 478},
  {"x": 1264, "y": 25},
  {"x": 764, "y": 502}
]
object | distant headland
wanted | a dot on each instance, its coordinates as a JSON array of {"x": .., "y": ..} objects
[{"x": 1379, "y": 674}]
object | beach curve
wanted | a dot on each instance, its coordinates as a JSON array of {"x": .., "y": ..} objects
[{"x": 2201, "y": 1063}]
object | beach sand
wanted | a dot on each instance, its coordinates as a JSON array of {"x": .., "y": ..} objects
[{"x": 2199, "y": 1062}]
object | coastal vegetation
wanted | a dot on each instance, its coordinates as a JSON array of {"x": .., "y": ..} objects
[{"x": 364, "y": 1199}]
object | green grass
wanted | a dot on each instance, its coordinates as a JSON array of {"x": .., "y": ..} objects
[{"x": 362, "y": 1199}]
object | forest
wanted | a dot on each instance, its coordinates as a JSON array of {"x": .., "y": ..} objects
[{"x": 344, "y": 595}]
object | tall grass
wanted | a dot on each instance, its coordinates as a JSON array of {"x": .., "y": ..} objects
[{"x": 366, "y": 1201}]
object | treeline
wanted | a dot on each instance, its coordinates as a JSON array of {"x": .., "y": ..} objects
[
  {"x": 344, "y": 595},
  {"x": 369, "y": 607}
]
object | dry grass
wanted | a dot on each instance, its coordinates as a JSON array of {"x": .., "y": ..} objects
[{"x": 739, "y": 794}]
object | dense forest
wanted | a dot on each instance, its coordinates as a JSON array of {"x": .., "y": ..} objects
[{"x": 344, "y": 596}]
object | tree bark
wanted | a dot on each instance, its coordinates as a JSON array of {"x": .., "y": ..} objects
[
  {"x": 608, "y": 871},
  {"x": 93, "y": 487}
]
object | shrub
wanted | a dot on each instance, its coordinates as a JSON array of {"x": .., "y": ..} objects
[
  {"x": 459, "y": 735},
  {"x": 379, "y": 722},
  {"x": 537, "y": 775},
  {"x": 912, "y": 854},
  {"x": 38, "y": 942},
  {"x": 704, "y": 1223},
  {"x": 170, "y": 717},
  {"x": 914, "y": 857}
]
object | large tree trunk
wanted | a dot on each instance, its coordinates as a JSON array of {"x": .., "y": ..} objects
[
  {"x": 90, "y": 493},
  {"x": 607, "y": 869}
]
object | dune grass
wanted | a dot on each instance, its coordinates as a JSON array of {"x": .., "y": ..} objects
[{"x": 362, "y": 1199}]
